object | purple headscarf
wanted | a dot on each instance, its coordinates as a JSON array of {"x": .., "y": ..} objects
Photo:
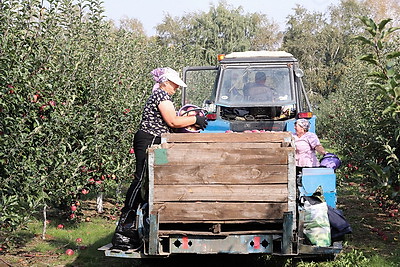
[
  {"x": 159, "y": 76},
  {"x": 303, "y": 123}
]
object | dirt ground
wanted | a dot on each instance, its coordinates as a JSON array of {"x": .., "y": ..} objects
[{"x": 375, "y": 231}]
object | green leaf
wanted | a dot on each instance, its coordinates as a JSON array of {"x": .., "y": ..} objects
[
  {"x": 391, "y": 72},
  {"x": 393, "y": 83},
  {"x": 369, "y": 58},
  {"x": 393, "y": 55},
  {"x": 379, "y": 44},
  {"x": 397, "y": 92},
  {"x": 383, "y": 23},
  {"x": 378, "y": 74},
  {"x": 393, "y": 29},
  {"x": 364, "y": 40},
  {"x": 377, "y": 85}
]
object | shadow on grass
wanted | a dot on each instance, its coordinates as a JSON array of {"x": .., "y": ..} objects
[{"x": 92, "y": 257}]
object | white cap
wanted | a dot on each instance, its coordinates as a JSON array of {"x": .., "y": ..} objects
[{"x": 173, "y": 76}]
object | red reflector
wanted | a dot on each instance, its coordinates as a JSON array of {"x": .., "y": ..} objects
[
  {"x": 305, "y": 115},
  {"x": 211, "y": 116},
  {"x": 185, "y": 241},
  {"x": 256, "y": 242}
]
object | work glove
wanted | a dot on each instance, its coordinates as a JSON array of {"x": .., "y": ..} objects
[{"x": 201, "y": 122}]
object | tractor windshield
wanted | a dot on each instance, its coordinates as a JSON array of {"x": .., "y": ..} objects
[{"x": 255, "y": 86}]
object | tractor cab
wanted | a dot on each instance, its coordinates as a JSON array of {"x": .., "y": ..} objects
[{"x": 247, "y": 91}]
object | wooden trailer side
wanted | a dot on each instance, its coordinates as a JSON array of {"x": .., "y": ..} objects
[{"x": 222, "y": 178}]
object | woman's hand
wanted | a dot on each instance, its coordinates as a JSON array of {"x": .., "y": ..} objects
[
  {"x": 321, "y": 150},
  {"x": 201, "y": 122}
]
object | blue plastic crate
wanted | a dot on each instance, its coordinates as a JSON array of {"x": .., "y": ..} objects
[{"x": 312, "y": 178}]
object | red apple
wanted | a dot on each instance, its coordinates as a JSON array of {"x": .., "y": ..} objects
[
  {"x": 131, "y": 151},
  {"x": 60, "y": 226},
  {"x": 73, "y": 208},
  {"x": 85, "y": 191},
  {"x": 42, "y": 107},
  {"x": 72, "y": 216},
  {"x": 69, "y": 252},
  {"x": 78, "y": 240}
]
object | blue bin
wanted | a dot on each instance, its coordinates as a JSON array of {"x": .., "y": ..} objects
[{"x": 324, "y": 177}]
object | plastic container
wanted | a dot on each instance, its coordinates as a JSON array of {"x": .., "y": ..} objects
[
  {"x": 190, "y": 110},
  {"x": 330, "y": 160},
  {"x": 324, "y": 177}
]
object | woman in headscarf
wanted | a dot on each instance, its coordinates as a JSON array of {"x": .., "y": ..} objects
[
  {"x": 159, "y": 116},
  {"x": 307, "y": 144}
]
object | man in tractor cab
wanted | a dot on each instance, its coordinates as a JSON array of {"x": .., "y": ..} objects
[{"x": 258, "y": 90}]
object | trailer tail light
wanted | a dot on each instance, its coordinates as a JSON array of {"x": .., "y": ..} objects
[
  {"x": 211, "y": 116},
  {"x": 220, "y": 57},
  {"x": 305, "y": 115}
]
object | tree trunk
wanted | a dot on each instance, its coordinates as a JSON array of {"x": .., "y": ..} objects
[
  {"x": 99, "y": 202},
  {"x": 44, "y": 222}
]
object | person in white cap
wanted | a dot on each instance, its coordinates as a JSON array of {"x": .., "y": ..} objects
[{"x": 159, "y": 116}]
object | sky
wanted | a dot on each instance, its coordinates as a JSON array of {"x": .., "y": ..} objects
[{"x": 152, "y": 13}]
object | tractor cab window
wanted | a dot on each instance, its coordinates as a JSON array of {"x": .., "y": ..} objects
[{"x": 256, "y": 86}]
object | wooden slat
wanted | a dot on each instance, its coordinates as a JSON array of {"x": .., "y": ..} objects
[
  {"x": 274, "y": 156},
  {"x": 186, "y": 232},
  {"x": 204, "y": 212},
  {"x": 194, "y": 146},
  {"x": 226, "y": 137},
  {"x": 265, "y": 193},
  {"x": 220, "y": 174}
]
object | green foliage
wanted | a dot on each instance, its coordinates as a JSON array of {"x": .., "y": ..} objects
[
  {"x": 71, "y": 95},
  {"x": 385, "y": 79},
  {"x": 364, "y": 126},
  {"x": 223, "y": 29},
  {"x": 323, "y": 44}
]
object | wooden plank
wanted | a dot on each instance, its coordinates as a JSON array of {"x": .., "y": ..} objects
[
  {"x": 251, "y": 193},
  {"x": 274, "y": 156},
  {"x": 227, "y": 137},
  {"x": 239, "y": 232},
  {"x": 220, "y": 174},
  {"x": 224, "y": 145},
  {"x": 203, "y": 212}
]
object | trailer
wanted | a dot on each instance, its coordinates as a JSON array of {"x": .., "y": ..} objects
[
  {"x": 234, "y": 193},
  {"x": 233, "y": 188}
]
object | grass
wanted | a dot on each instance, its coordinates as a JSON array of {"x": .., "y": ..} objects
[
  {"x": 32, "y": 250},
  {"x": 364, "y": 247}
]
